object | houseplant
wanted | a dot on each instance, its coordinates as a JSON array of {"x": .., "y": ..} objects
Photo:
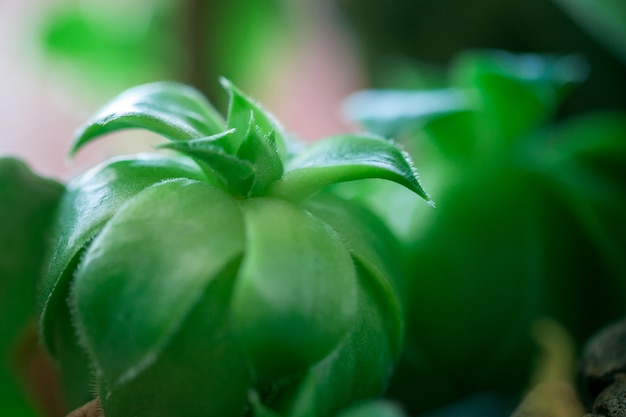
[{"x": 223, "y": 279}]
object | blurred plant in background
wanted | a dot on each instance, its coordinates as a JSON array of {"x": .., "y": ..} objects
[
  {"x": 530, "y": 218},
  {"x": 398, "y": 34},
  {"x": 528, "y": 175},
  {"x": 117, "y": 44}
]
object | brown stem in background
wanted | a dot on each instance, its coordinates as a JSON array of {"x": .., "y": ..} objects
[
  {"x": 36, "y": 373},
  {"x": 194, "y": 40}
]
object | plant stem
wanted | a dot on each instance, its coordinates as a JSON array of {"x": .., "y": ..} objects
[{"x": 194, "y": 39}]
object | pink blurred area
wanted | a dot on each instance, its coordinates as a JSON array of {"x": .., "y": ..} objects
[
  {"x": 324, "y": 67},
  {"x": 41, "y": 104},
  {"x": 36, "y": 123}
]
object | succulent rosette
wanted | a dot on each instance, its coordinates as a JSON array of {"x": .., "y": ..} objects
[{"x": 222, "y": 279}]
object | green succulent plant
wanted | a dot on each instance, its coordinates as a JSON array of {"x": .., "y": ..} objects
[{"x": 221, "y": 278}]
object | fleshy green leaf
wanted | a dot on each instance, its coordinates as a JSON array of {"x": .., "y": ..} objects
[
  {"x": 88, "y": 203},
  {"x": 241, "y": 108},
  {"x": 201, "y": 371},
  {"x": 172, "y": 110},
  {"x": 148, "y": 268},
  {"x": 358, "y": 369},
  {"x": 373, "y": 246},
  {"x": 234, "y": 174},
  {"x": 262, "y": 154},
  {"x": 295, "y": 296},
  {"x": 346, "y": 158}
]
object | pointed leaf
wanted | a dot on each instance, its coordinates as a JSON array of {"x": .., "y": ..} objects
[
  {"x": 263, "y": 156},
  {"x": 147, "y": 269},
  {"x": 295, "y": 296},
  {"x": 346, "y": 158},
  {"x": 241, "y": 108},
  {"x": 175, "y": 111},
  {"x": 234, "y": 174},
  {"x": 87, "y": 205}
]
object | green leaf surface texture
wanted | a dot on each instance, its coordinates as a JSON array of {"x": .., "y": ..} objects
[
  {"x": 295, "y": 296},
  {"x": 201, "y": 372},
  {"x": 88, "y": 203},
  {"x": 172, "y": 110},
  {"x": 373, "y": 246},
  {"x": 346, "y": 158},
  {"x": 149, "y": 266},
  {"x": 262, "y": 154},
  {"x": 358, "y": 368}
]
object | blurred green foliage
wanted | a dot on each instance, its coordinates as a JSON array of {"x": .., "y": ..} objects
[
  {"x": 26, "y": 208},
  {"x": 530, "y": 218},
  {"x": 399, "y": 36},
  {"x": 604, "y": 19},
  {"x": 113, "y": 45}
]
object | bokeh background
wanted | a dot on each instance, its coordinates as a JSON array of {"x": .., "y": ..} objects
[{"x": 62, "y": 59}]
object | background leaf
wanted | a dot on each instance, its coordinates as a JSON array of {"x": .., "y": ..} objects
[
  {"x": 26, "y": 212},
  {"x": 394, "y": 112},
  {"x": 604, "y": 19},
  {"x": 380, "y": 408}
]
